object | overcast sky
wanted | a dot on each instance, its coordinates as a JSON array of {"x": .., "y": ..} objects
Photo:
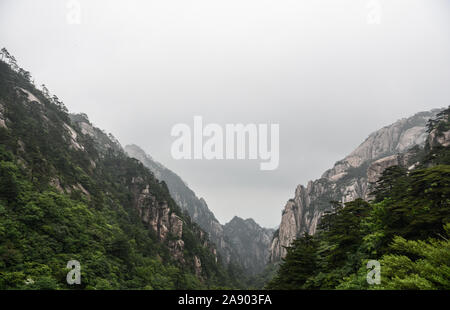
[{"x": 329, "y": 72}]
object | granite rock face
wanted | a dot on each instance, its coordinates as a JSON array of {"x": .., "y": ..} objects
[
  {"x": 437, "y": 138},
  {"x": 2, "y": 118},
  {"x": 350, "y": 178},
  {"x": 159, "y": 218}
]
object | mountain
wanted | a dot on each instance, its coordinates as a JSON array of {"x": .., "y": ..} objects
[
  {"x": 402, "y": 232},
  {"x": 241, "y": 242},
  {"x": 69, "y": 192},
  {"x": 350, "y": 178},
  {"x": 249, "y": 240}
]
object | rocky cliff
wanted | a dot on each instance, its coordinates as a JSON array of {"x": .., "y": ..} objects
[
  {"x": 350, "y": 178},
  {"x": 242, "y": 242}
]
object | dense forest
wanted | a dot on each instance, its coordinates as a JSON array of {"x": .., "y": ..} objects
[
  {"x": 405, "y": 228},
  {"x": 64, "y": 198}
]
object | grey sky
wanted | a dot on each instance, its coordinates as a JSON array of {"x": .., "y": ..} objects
[{"x": 316, "y": 67}]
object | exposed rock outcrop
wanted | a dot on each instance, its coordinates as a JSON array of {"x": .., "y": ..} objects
[
  {"x": 2, "y": 117},
  {"x": 159, "y": 218},
  {"x": 438, "y": 138},
  {"x": 377, "y": 167},
  {"x": 197, "y": 266}
]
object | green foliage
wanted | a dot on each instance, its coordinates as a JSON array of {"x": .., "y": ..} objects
[
  {"x": 298, "y": 265},
  {"x": 421, "y": 208},
  {"x": 8, "y": 183},
  {"x": 417, "y": 264}
]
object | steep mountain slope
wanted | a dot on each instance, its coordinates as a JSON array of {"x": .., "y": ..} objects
[
  {"x": 68, "y": 191},
  {"x": 241, "y": 242},
  {"x": 350, "y": 178}
]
